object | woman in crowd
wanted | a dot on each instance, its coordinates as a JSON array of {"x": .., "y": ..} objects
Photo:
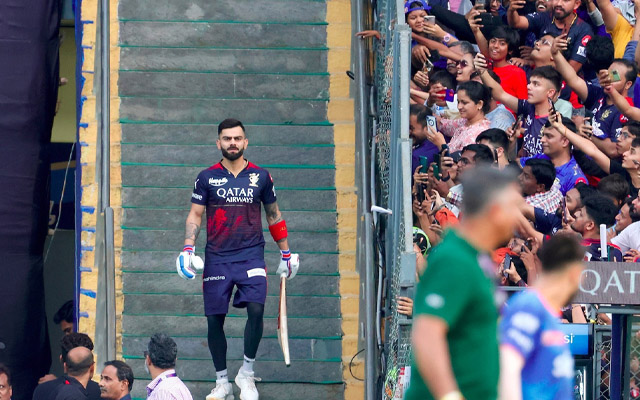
[{"x": 473, "y": 104}]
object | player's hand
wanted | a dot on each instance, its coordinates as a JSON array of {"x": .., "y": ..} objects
[
  {"x": 288, "y": 266},
  {"x": 187, "y": 263}
]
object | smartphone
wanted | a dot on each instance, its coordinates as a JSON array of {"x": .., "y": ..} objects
[
  {"x": 436, "y": 167},
  {"x": 516, "y": 125},
  {"x": 431, "y": 121},
  {"x": 615, "y": 76},
  {"x": 563, "y": 211},
  {"x": 424, "y": 163},
  {"x": 456, "y": 156},
  {"x": 449, "y": 94},
  {"x": 529, "y": 244},
  {"x": 430, "y": 19},
  {"x": 551, "y": 106},
  {"x": 486, "y": 19},
  {"x": 420, "y": 193},
  {"x": 427, "y": 66},
  {"x": 506, "y": 265}
]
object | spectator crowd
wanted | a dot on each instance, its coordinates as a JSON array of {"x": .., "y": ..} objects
[{"x": 545, "y": 88}]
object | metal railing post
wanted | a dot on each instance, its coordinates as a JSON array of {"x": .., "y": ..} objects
[{"x": 105, "y": 335}]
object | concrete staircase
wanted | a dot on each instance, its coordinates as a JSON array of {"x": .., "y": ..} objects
[{"x": 185, "y": 65}]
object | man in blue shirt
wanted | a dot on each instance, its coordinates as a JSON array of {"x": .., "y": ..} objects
[
  {"x": 231, "y": 192},
  {"x": 535, "y": 361},
  {"x": 422, "y": 147},
  {"x": 557, "y": 148}
]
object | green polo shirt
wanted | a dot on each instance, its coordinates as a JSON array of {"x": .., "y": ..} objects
[{"x": 455, "y": 288}]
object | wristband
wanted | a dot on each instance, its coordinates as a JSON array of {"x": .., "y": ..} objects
[
  {"x": 286, "y": 254},
  {"x": 189, "y": 248},
  {"x": 452, "y": 396},
  {"x": 278, "y": 231}
]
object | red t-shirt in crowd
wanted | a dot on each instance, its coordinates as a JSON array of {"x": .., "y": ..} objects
[{"x": 513, "y": 80}]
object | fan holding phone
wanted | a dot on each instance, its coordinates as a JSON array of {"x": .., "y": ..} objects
[{"x": 473, "y": 103}]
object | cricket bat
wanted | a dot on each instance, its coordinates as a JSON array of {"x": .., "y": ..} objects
[{"x": 283, "y": 331}]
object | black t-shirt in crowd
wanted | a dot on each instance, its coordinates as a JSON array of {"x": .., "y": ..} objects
[
  {"x": 50, "y": 390},
  {"x": 616, "y": 168}
]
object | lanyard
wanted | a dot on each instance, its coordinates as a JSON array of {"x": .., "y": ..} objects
[{"x": 172, "y": 375}]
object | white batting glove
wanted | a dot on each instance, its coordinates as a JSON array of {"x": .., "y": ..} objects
[
  {"x": 187, "y": 263},
  {"x": 289, "y": 264}
]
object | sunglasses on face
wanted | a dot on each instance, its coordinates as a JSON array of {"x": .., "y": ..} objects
[{"x": 462, "y": 63}]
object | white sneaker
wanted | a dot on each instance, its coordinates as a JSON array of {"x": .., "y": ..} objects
[
  {"x": 246, "y": 382},
  {"x": 222, "y": 391}
]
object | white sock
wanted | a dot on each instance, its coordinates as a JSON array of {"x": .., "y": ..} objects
[
  {"x": 247, "y": 364},
  {"x": 222, "y": 377}
]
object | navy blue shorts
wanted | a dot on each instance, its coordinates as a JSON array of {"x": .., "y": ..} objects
[{"x": 250, "y": 278}]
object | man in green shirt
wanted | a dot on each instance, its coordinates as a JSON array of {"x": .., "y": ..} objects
[{"x": 454, "y": 337}]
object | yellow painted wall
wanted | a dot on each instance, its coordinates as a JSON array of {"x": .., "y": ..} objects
[{"x": 341, "y": 114}]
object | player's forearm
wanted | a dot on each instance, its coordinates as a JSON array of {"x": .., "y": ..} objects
[
  {"x": 192, "y": 229},
  {"x": 432, "y": 355}
]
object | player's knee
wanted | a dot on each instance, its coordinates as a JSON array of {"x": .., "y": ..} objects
[{"x": 255, "y": 310}]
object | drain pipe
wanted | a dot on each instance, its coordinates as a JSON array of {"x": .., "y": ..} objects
[
  {"x": 105, "y": 300},
  {"x": 365, "y": 225}
]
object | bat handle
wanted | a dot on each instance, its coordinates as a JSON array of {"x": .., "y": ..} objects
[{"x": 283, "y": 275}]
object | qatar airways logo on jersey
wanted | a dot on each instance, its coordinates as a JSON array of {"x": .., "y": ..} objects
[{"x": 236, "y": 195}]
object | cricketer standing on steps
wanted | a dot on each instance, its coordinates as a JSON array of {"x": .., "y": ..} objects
[{"x": 231, "y": 192}]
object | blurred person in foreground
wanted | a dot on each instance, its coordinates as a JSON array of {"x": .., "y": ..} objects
[
  {"x": 535, "y": 361},
  {"x": 449, "y": 300}
]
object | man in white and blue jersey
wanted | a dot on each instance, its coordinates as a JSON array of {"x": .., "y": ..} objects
[{"x": 535, "y": 361}]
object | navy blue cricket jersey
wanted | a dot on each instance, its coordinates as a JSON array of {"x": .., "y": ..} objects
[
  {"x": 607, "y": 120},
  {"x": 234, "y": 223}
]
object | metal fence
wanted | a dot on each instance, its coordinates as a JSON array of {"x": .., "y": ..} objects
[{"x": 392, "y": 179}]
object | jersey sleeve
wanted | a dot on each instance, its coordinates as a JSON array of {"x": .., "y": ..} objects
[
  {"x": 443, "y": 292},
  {"x": 519, "y": 328},
  {"x": 594, "y": 95},
  {"x": 200, "y": 193},
  {"x": 523, "y": 108},
  {"x": 535, "y": 22},
  {"x": 546, "y": 223},
  {"x": 268, "y": 194}
]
